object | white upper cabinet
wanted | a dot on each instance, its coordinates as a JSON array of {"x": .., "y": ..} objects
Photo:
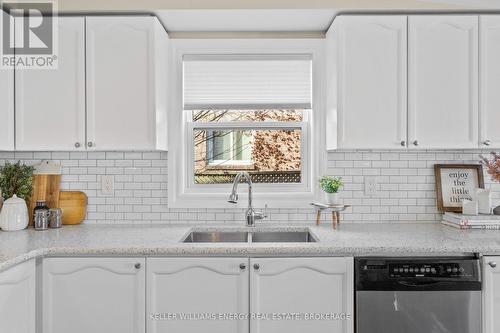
[
  {"x": 370, "y": 56},
  {"x": 99, "y": 295},
  {"x": 443, "y": 81},
  {"x": 17, "y": 298},
  {"x": 302, "y": 285},
  {"x": 490, "y": 81},
  {"x": 50, "y": 103},
  {"x": 6, "y": 103},
  {"x": 126, "y": 68},
  {"x": 197, "y": 286}
]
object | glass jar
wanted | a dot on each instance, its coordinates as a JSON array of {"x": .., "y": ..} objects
[{"x": 41, "y": 214}]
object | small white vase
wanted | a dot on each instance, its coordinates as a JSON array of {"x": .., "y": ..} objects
[
  {"x": 14, "y": 214},
  {"x": 332, "y": 198}
]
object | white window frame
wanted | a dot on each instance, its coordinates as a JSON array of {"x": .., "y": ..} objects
[{"x": 182, "y": 192}]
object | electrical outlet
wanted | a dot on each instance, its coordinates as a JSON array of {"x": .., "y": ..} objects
[
  {"x": 107, "y": 184},
  {"x": 371, "y": 185}
]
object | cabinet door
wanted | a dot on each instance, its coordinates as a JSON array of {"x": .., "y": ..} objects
[
  {"x": 50, "y": 104},
  {"x": 6, "y": 102},
  {"x": 443, "y": 81},
  {"x": 491, "y": 294},
  {"x": 304, "y": 286},
  {"x": 99, "y": 295},
  {"x": 121, "y": 83},
  {"x": 371, "y": 58},
  {"x": 183, "y": 286},
  {"x": 17, "y": 298},
  {"x": 490, "y": 81}
]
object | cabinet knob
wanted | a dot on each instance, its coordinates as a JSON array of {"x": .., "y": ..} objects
[
  {"x": 77, "y": 145},
  {"x": 138, "y": 265},
  {"x": 243, "y": 267},
  {"x": 492, "y": 264},
  {"x": 90, "y": 144},
  {"x": 256, "y": 267},
  {"x": 403, "y": 143},
  {"x": 487, "y": 142},
  {"x": 415, "y": 143}
]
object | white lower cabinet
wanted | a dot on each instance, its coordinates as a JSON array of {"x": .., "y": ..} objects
[
  {"x": 259, "y": 291},
  {"x": 195, "y": 286},
  {"x": 313, "y": 286},
  {"x": 491, "y": 294},
  {"x": 98, "y": 295},
  {"x": 191, "y": 295},
  {"x": 18, "y": 298}
]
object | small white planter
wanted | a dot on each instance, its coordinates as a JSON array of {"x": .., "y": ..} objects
[{"x": 333, "y": 198}]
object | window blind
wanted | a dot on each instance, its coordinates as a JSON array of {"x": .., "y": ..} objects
[{"x": 245, "y": 82}]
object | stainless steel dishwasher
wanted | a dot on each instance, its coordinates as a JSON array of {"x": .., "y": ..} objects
[{"x": 418, "y": 295}]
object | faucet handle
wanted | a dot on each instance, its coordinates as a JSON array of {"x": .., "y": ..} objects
[{"x": 260, "y": 215}]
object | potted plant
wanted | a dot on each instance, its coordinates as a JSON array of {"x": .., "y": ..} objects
[
  {"x": 493, "y": 166},
  {"x": 16, "y": 185},
  {"x": 331, "y": 186}
]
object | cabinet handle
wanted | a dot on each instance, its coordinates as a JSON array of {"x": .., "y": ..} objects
[
  {"x": 403, "y": 143},
  {"x": 487, "y": 142},
  {"x": 492, "y": 264},
  {"x": 90, "y": 144},
  {"x": 243, "y": 267},
  {"x": 138, "y": 265},
  {"x": 415, "y": 143},
  {"x": 256, "y": 267},
  {"x": 77, "y": 145}
]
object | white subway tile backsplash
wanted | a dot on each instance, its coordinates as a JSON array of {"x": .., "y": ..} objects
[{"x": 405, "y": 192}]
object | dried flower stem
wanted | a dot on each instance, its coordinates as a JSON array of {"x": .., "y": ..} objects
[{"x": 493, "y": 165}]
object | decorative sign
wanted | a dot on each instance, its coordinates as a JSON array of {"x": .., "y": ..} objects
[{"x": 455, "y": 183}]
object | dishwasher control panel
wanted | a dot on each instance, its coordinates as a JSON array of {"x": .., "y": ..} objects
[
  {"x": 415, "y": 273},
  {"x": 443, "y": 270}
]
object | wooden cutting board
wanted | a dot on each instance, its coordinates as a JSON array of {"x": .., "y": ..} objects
[
  {"x": 45, "y": 187},
  {"x": 74, "y": 206}
]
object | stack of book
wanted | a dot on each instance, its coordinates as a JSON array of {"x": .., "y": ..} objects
[{"x": 480, "y": 221}]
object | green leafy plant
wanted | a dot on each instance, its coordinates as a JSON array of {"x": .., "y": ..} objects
[
  {"x": 16, "y": 179},
  {"x": 331, "y": 184}
]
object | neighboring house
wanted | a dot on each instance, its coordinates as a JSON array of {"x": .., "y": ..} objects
[{"x": 269, "y": 155}]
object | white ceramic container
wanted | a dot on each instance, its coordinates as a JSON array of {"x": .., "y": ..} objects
[
  {"x": 333, "y": 198},
  {"x": 484, "y": 201},
  {"x": 14, "y": 214}
]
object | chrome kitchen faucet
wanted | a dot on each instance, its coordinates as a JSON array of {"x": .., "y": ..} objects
[{"x": 251, "y": 214}]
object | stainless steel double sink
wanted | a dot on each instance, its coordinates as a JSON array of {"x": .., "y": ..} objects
[{"x": 250, "y": 237}]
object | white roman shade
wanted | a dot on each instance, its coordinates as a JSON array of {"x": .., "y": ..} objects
[{"x": 247, "y": 82}]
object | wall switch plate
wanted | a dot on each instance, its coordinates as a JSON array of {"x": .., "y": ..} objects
[
  {"x": 108, "y": 184},
  {"x": 371, "y": 184}
]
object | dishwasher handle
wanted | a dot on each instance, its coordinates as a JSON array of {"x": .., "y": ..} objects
[{"x": 418, "y": 284}]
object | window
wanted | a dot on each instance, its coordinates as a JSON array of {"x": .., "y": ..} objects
[
  {"x": 245, "y": 105},
  {"x": 247, "y": 113}
]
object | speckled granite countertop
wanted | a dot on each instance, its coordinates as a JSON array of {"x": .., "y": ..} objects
[{"x": 165, "y": 240}]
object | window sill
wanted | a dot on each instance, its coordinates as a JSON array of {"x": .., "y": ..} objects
[{"x": 260, "y": 200}]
